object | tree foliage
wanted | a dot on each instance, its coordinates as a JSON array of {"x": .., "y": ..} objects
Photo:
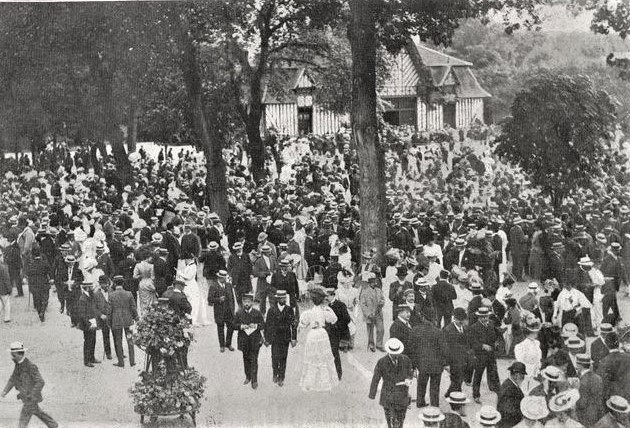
[{"x": 559, "y": 132}]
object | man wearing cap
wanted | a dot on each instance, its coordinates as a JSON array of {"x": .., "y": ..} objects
[
  {"x": 101, "y": 299},
  {"x": 280, "y": 331},
  {"x": 28, "y": 381},
  {"x": 483, "y": 336},
  {"x": 87, "y": 315},
  {"x": 122, "y": 315},
  {"x": 221, "y": 296},
  {"x": 239, "y": 268},
  {"x": 510, "y": 396},
  {"x": 250, "y": 324},
  {"x": 589, "y": 407},
  {"x": 617, "y": 415},
  {"x": 397, "y": 289},
  {"x": 396, "y": 371}
]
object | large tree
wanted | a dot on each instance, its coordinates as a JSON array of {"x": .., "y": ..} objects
[{"x": 559, "y": 132}]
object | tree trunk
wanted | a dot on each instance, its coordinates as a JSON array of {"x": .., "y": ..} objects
[
  {"x": 216, "y": 183},
  {"x": 132, "y": 126},
  {"x": 256, "y": 147},
  {"x": 362, "y": 35}
]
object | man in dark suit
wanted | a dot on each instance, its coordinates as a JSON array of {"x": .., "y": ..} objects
[
  {"x": 250, "y": 324},
  {"x": 397, "y": 290},
  {"x": 172, "y": 245},
  {"x": 39, "y": 273},
  {"x": 401, "y": 327},
  {"x": 339, "y": 330},
  {"x": 29, "y": 383},
  {"x": 123, "y": 313},
  {"x": 397, "y": 373},
  {"x": 239, "y": 268},
  {"x": 457, "y": 400},
  {"x": 614, "y": 369},
  {"x": 510, "y": 396},
  {"x": 590, "y": 407},
  {"x": 459, "y": 354},
  {"x": 177, "y": 300},
  {"x": 483, "y": 336},
  {"x": 101, "y": 299},
  {"x": 617, "y": 415},
  {"x": 190, "y": 242},
  {"x": 87, "y": 316},
  {"x": 598, "y": 348},
  {"x": 427, "y": 354},
  {"x": 284, "y": 279},
  {"x": 443, "y": 295},
  {"x": 280, "y": 331},
  {"x": 221, "y": 296},
  {"x": 161, "y": 271},
  {"x": 213, "y": 261}
]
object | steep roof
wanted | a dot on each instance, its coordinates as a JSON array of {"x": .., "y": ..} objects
[
  {"x": 281, "y": 85},
  {"x": 432, "y": 58}
]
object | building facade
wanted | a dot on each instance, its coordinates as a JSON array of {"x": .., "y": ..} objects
[{"x": 426, "y": 89}]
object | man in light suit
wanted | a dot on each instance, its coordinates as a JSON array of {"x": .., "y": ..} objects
[
  {"x": 122, "y": 315},
  {"x": 221, "y": 296}
]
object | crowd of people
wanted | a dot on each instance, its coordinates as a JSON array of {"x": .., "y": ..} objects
[{"x": 286, "y": 267}]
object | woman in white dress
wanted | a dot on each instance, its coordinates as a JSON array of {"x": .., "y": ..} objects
[
  {"x": 318, "y": 365},
  {"x": 187, "y": 273},
  {"x": 204, "y": 286}
]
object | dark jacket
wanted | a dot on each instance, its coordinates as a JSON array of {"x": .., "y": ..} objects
[
  {"x": 287, "y": 283},
  {"x": 509, "y": 404},
  {"x": 280, "y": 326},
  {"x": 598, "y": 351},
  {"x": 163, "y": 275},
  {"x": 102, "y": 307},
  {"x": 179, "y": 302},
  {"x": 443, "y": 295},
  {"x": 402, "y": 332},
  {"x": 122, "y": 308},
  {"x": 590, "y": 408},
  {"x": 427, "y": 348},
  {"x": 213, "y": 262},
  {"x": 5, "y": 280},
  {"x": 38, "y": 274},
  {"x": 392, "y": 395},
  {"x": 223, "y": 310},
  {"x": 457, "y": 345},
  {"x": 242, "y": 318},
  {"x": 339, "y": 330},
  {"x": 481, "y": 335},
  {"x": 28, "y": 382},
  {"x": 240, "y": 270},
  {"x": 85, "y": 311}
]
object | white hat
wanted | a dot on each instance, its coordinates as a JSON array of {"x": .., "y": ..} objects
[
  {"x": 586, "y": 261},
  {"x": 534, "y": 407},
  {"x": 17, "y": 347},
  {"x": 488, "y": 415},
  {"x": 457, "y": 397},
  {"x": 564, "y": 400},
  {"x": 533, "y": 286},
  {"x": 618, "y": 404},
  {"x": 431, "y": 414},
  {"x": 552, "y": 373},
  {"x": 394, "y": 346}
]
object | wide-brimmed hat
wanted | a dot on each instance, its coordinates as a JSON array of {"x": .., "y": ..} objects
[
  {"x": 17, "y": 347},
  {"x": 457, "y": 397},
  {"x": 606, "y": 328},
  {"x": 585, "y": 261},
  {"x": 600, "y": 237},
  {"x": 533, "y": 325},
  {"x": 483, "y": 311},
  {"x": 569, "y": 330},
  {"x": 575, "y": 343},
  {"x": 518, "y": 367},
  {"x": 431, "y": 414},
  {"x": 488, "y": 416},
  {"x": 564, "y": 400},
  {"x": 552, "y": 373},
  {"x": 517, "y": 220},
  {"x": 534, "y": 407},
  {"x": 317, "y": 291},
  {"x": 618, "y": 404},
  {"x": 262, "y": 236},
  {"x": 394, "y": 346},
  {"x": 222, "y": 274}
]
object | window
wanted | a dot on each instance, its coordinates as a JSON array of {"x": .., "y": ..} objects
[
  {"x": 401, "y": 111},
  {"x": 305, "y": 120}
]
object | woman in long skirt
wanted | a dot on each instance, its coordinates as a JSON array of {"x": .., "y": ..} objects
[
  {"x": 204, "y": 286},
  {"x": 146, "y": 287},
  {"x": 187, "y": 273},
  {"x": 318, "y": 365}
]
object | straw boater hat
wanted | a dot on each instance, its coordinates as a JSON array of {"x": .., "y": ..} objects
[
  {"x": 564, "y": 400},
  {"x": 569, "y": 330},
  {"x": 17, "y": 347},
  {"x": 394, "y": 346},
  {"x": 483, "y": 311},
  {"x": 552, "y": 373},
  {"x": 618, "y": 404},
  {"x": 488, "y": 416},
  {"x": 281, "y": 294},
  {"x": 586, "y": 261},
  {"x": 600, "y": 237},
  {"x": 606, "y": 328},
  {"x": 457, "y": 397},
  {"x": 431, "y": 414},
  {"x": 575, "y": 343},
  {"x": 583, "y": 360},
  {"x": 534, "y": 407}
]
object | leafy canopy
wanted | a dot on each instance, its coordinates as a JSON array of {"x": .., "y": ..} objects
[{"x": 559, "y": 131}]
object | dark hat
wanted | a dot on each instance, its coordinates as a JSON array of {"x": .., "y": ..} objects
[
  {"x": 517, "y": 367},
  {"x": 249, "y": 296},
  {"x": 317, "y": 291},
  {"x": 182, "y": 283},
  {"x": 401, "y": 308},
  {"x": 401, "y": 271}
]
